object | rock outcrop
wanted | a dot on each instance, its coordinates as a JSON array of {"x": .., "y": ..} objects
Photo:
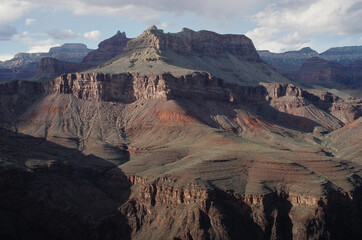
[
  {"x": 107, "y": 49},
  {"x": 218, "y": 214},
  {"x": 316, "y": 70},
  {"x": 228, "y": 56},
  {"x": 127, "y": 88},
  {"x": 202, "y": 43},
  {"x": 50, "y": 68}
]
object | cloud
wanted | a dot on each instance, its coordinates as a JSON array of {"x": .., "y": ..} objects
[
  {"x": 5, "y": 57},
  {"x": 151, "y": 10},
  {"x": 166, "y": 25},
  {"x": 62, "y": 34},
  {"x": 12, "y": 10},
  {"x": 42, "y": 46},
  {"x": 29, "y": 21},
  {"x": 291, "y": 24},
  {"x": 34, "y": 43},
  {"x": 282, "y": 25},
  {"x": 6, "y": 32},
  {"x": 93, "y": 35}
]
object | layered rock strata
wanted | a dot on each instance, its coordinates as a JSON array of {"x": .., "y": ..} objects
[
  {"x": 127, "y": 88},
  {"x": 164, "y": 151}
]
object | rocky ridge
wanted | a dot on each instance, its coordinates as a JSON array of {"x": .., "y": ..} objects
[
  {"x": 231, "y": 57},
  {"x": 25, "y": 65},
  {"x": 288, "y": 62},
  {"x": 343, "y": 55},
  {"x": 337, "y": 68},
  {"x": 107, "y": 49}
]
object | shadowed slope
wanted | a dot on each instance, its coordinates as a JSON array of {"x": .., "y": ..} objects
[{"x": 49, "y": 191}]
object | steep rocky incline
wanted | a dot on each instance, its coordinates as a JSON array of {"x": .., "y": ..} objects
[
  {"x": 346, "y": 142},
  {"x": 107, "y": 49},
  {"x": 50, "y": 68},
  {"x": 129, "y": 87}
]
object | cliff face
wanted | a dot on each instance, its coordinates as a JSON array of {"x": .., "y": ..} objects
[
  {"x": 316, "y": 71},
  {"x": 203, "y": 43},
  {"x": 127, "y": 88},
  {"x": 196, "y": 213},
  {"x": 50, "y": 68},
  {"x": 107, "y": 49}
]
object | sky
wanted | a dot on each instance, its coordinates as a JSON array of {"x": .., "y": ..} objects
[{"x": 278, "y": 26}]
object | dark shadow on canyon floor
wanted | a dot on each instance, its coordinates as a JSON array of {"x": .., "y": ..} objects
[{"x": 66, "y": 195}]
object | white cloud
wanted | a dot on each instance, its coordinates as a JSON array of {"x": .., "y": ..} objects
[
  {"x": 213, "y": 8},
  {"x": 62, "y": 34},
  {"x": 5, "y": 57},
  {"x": 93, "y": 35},
  {"x": 35, "y": 44},
  {"x": 29, "y": 21},
  {"x": 42, "y": 46},
  {"x": 12, "y": 10},
  {"x": 291, "y": 24},
  {"x": 150, "y": 11},
  {"x": 165, "y": 25},
  {"x": 6, "y": 32}
]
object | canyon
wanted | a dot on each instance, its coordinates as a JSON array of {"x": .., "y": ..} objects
[
  {"x": 25, "y": 65},
  {"x": 185, "y": 135},
  {"x": 337, "y": 69}
]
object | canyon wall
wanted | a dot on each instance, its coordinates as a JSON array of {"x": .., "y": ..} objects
[
  {"x": 129, "y": 87},
  {"x": 196, "y": 212}
]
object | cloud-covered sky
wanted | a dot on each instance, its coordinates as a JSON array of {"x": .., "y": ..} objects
[{"x": 37, "y": 25}]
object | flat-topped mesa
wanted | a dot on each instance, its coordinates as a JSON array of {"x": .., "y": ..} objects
[
  {"x": 201, "y": 43},
  {"x": 211, "y": 44}
]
